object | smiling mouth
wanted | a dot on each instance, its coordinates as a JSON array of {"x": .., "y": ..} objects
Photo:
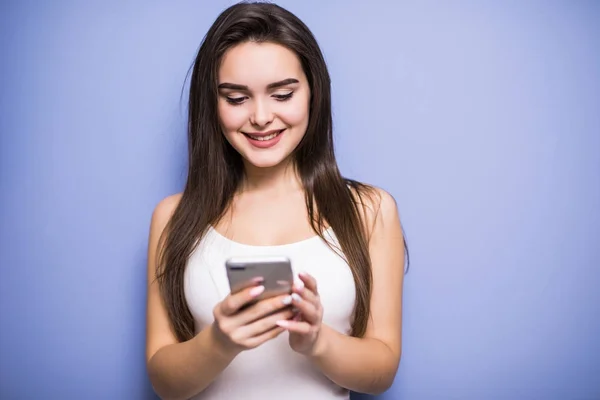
[{"x": 263, "y": 137}]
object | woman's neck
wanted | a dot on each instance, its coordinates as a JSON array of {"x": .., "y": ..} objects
[{"x": 280, "y": 178}]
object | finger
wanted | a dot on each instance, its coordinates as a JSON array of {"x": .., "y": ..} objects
[
  {"x": 298, "y": 285},
  {"x": 262, "y": 309},
  {"x": 258, "y": 340},
  {"x": 308, "y": 310},
  {"x": 257, "y": 328},
  {"x": 309, "y": 281},
  {"x": 233, "y": 302},
  {"x": 308, "y": 295},
  {"x": 247, "y": 284},
  {"x": 295, "y": 326}
]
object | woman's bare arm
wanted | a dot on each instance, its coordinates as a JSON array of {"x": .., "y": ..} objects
[
  {"x": 369, "y": 364},
  {"x": 176, "y": 370}
]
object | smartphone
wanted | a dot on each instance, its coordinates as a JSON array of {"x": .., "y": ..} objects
[{"x": 276, "y": 273}]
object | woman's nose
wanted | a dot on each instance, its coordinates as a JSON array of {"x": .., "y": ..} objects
[{"x": 262, "y": 115}]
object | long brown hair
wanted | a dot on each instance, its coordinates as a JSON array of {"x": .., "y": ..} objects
[{"x": 215, "y": 168}]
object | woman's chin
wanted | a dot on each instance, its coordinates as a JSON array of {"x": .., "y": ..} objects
[
  {"x": 265, "y": 161},
  {"x": 263, "y": 164}
]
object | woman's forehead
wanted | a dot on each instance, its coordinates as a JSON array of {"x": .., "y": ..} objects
[{"x": 257, "y": 65}]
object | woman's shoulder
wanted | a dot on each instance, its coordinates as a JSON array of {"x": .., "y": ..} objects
[
  {"x": 375, "y": 203},
  {"x": 165, "y": 209}
]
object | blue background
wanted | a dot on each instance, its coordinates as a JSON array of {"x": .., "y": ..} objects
[{"x": 482, "y": 118}]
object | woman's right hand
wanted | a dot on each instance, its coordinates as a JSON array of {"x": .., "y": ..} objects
[{"x": 240, "y": 328}]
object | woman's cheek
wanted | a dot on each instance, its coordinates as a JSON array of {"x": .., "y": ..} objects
[
  {"x": 295, "y": 114},
  {"x": 233, "y": 118}
]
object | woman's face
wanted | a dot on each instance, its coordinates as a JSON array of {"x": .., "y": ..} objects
[{"x": 263, "y": 102}]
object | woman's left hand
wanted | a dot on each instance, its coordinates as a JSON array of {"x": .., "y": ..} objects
[{"x": 305, "y": 327}]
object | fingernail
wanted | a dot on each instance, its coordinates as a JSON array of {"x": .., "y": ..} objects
[
  {"x": 299, "y": 284},
  {"x": 258, "y": 279},
  {"x": 283, "y": 323},
  {"x": 296, "y": 297},
  {"x": 287, "y": 300},
  {"x": 256, "y": 291}
]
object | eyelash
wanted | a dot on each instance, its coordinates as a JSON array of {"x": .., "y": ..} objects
[{"x": 239, "y": 100}]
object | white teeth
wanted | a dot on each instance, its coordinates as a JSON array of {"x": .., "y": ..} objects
[{"x": 263, "y": 138}]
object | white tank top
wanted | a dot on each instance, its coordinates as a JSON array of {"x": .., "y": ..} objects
[{"x": 272, "y": 370}]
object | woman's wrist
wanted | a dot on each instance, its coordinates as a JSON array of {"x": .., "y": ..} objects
[
  {"x": 322, "y": 343},
  {"x": 217, "y": 345}
]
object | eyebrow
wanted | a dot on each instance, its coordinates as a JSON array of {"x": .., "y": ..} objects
[{"x": 274, "y": 85}]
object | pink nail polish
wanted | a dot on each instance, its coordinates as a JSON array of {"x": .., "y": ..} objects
[
  {"x": 304, "y": 274},
  {"x": 256, "y": 291},
  {"x": 283, "y": 323}
]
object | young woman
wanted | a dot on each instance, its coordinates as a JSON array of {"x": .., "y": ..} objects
[{"x": 263, "y": 180}]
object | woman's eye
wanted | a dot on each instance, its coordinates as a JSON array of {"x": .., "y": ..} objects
[
  {"x": 235, "y": 100},
  {"x": 283, "y": 97},
  {"x": 240, "y": 100}
]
